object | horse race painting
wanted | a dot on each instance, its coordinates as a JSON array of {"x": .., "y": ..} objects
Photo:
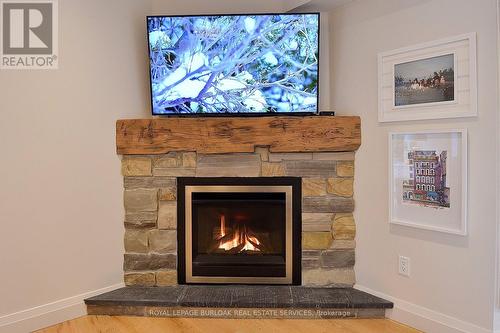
[
  {"x": 431, "y": 80},
  {"x": 424, "y": 81}
]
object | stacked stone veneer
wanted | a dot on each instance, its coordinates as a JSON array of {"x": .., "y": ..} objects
[{"x": 328, "y": 227}]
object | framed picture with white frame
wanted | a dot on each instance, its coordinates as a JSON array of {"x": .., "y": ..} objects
[
  {"x": 428, "y": 81},
  {"x": 428, "y": 180}
]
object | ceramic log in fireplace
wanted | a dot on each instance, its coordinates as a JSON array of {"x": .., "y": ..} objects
[{"x": 239, "y": 230}]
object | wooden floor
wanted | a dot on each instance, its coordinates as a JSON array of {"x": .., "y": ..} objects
[{"x": 117, "y": 324}]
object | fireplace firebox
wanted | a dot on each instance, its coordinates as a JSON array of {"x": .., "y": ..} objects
[{"x": 239, "y": 230}]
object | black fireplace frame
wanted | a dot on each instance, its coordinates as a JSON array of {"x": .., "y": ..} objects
[{"x": 294, "y": 182}]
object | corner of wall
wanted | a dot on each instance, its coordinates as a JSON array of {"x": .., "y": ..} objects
[
  {"x": 496, "y": 323},
  {"x": 496, "y": 314},
  {"x": 289, "y": 5}
]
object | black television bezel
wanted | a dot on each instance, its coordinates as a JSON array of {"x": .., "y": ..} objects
[{"x": 235, "y": 114}]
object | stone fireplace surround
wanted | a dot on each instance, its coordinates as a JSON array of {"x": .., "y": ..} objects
[
  {"x": 150, "y": 201},
  {"x": 328, "y": 227}
]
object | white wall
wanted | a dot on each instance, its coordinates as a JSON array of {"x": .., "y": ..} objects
[
  {"x": 452, "y": 277},
  {"x": 179, "y": 7},
  {"x": 61, "y": 206}
]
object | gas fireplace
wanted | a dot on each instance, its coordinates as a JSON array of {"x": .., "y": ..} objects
[{"x": 239, "y": 230}]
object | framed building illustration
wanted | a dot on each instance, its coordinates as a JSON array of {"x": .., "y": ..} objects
[
  {"x": 428, "y": 180},
  {"x": 426, "y": 184}
]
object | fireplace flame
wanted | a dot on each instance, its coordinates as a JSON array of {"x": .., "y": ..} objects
[
  {"x": 222, "y": 226},
  {"x": 241, "y": 238}
]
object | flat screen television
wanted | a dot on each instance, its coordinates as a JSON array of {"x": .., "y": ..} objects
[{"x": 252, "y": 64}]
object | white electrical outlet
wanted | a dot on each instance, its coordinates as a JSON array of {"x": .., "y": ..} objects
[{"x": 404, "y": 266}]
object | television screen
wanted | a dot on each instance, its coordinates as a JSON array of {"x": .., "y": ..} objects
[{"x": 237, "y": 64}]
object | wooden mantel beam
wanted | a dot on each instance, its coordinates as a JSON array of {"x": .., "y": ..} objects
[{"x": 237, "y": 134}]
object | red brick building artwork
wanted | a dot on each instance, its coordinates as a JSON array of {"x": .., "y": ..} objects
[{"x": 426, "y": 184}]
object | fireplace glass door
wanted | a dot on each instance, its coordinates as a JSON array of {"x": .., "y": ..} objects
[{"x": 238, "y": 233}]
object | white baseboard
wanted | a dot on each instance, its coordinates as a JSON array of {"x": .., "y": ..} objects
[
  {"x": 496, "y": 318},
  {"x": 424, "y": 319},
  {"x": 51, "y": 313}
]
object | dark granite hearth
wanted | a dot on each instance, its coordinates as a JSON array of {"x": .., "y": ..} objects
[{"x": 171, "y": 301}]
